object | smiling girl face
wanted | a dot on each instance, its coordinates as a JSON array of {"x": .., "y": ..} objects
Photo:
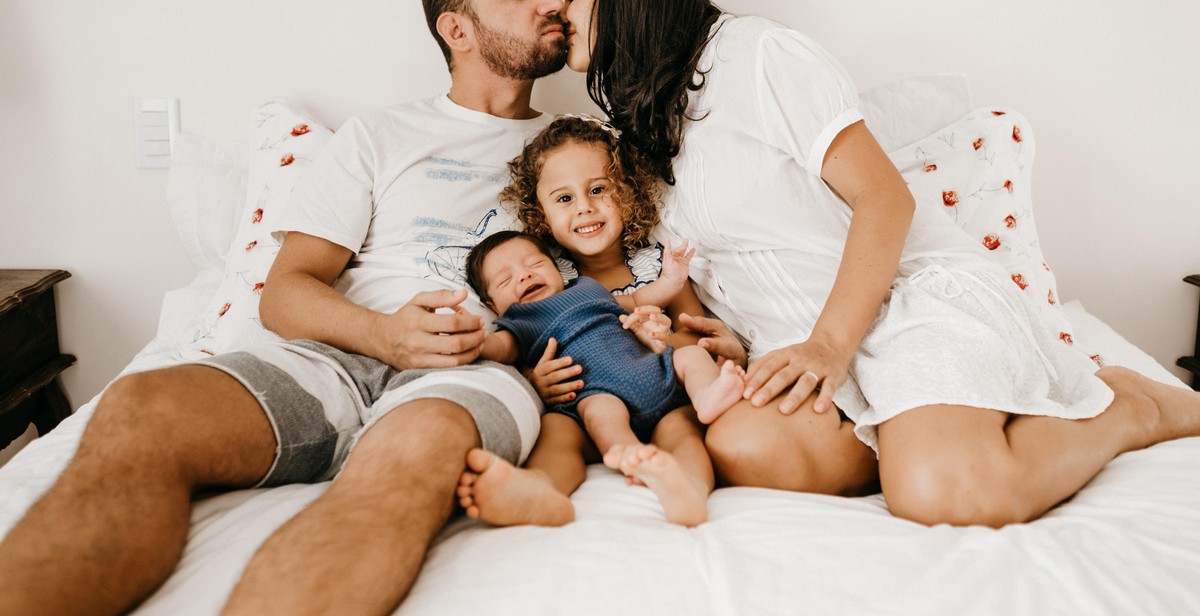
[{"x": 576, "y": 196}]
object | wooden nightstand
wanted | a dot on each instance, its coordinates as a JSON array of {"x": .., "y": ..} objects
[
  {"x": 1192, "y": 364},
  {"x": 29, "y": 358}
]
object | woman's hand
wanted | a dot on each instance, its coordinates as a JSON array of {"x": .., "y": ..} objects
[
  {"x": 717, "y": 339},
  {"x": 810, "y": 366},
  {"x": 650, "y": 326},
  {"x": 549, "y": 376}
]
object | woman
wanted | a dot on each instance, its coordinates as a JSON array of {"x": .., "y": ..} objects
[{"x": 756, "y": 127}]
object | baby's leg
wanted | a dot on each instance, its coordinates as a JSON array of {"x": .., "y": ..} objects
[
  {"x": 495, "y": 491},
  {"x": 607, "y": 420},
  {"x": 712, "y": 390},
  {"x": 676, "y": 468}
]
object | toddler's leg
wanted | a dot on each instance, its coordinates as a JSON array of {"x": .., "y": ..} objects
[
  {"x": 676, "y": 468},
  {"x": 495, "y": 491},
  {"x": 712, "y": 390}
]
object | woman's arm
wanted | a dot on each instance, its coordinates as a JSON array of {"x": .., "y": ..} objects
[{"x": 858, "y": 170}]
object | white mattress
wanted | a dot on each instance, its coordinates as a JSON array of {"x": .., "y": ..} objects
[{"x": 1129, "y": 542}]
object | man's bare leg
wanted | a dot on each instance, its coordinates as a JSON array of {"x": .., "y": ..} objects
[
  {"x": 113, "y": 526},
  {"x": 495, "y": 491},
  {"x": 803, "y": 452},
  {"x": 357, "y": 549}
]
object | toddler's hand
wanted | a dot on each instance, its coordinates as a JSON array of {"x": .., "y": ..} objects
[
  {"x": 675, "y": 263},
  {"x": 550, "y": 376}
]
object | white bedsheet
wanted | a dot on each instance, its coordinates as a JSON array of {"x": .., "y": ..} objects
[{"x": 1129, "y": 542}]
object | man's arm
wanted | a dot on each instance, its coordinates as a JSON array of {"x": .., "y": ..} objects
[{"x": 299, "y": 301}]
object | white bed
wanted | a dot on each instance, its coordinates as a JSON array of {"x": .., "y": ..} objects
[{"x": 1129, "y": 542}]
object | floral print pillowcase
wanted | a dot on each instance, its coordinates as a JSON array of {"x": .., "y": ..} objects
[{"x": 978, "y": 171}]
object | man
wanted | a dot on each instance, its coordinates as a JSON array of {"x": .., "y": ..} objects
[{"x": 385, "y": 213}]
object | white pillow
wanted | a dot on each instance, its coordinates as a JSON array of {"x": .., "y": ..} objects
[
  {"x": 206, "y": 189},
  {"x": 902, "y": 112},
  {"x": 283, "y": 141}
]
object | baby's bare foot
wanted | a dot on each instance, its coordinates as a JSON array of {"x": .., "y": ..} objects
[
  {"x": 684, "y": 500},
  {"x": 721, "y": 394},
  {"x": 495, "y": 491}
]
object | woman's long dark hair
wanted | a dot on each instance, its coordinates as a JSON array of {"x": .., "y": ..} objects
[{"x": 643, "y": 67}]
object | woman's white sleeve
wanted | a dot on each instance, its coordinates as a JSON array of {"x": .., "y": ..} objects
[{"x": 805, "y": 97}]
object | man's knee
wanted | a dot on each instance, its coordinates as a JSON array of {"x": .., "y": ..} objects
[
  {"x": 193, "y": 420},
  {"x": 424, "y": 438}
]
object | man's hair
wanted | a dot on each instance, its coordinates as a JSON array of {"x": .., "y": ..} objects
[
  {"x": 481, "y": 250},
  {"x": 434, "y": 10},
  {"x": 644, "y": 67},
  {"x": 636, "y": 190}
]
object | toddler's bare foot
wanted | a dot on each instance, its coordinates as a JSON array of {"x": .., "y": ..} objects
[
  {"x": 684, "y": 500},
  {"x": 721, "y": 394},
  {"x": 495, "y": 491}
]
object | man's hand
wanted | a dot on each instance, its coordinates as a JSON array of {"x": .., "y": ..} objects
[
  {"x": 717, "y": 339},
  {"x": 549, "y": 376},
  {"x": 417, "y": 336}
]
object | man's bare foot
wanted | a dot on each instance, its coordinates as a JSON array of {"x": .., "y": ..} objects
[
  {"x": 684, "y": 500},
  {"x": 725, "y": 391},
  {"x": 495, "y": 491}
]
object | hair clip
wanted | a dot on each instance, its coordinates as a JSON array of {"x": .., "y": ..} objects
[{"x": 605, "y": 126}]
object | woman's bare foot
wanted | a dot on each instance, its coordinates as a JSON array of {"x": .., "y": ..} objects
[
  {"x": 1163, "y": 412},
  {"x": 495, "y": 491},
  {"x": 725, "y": 391},
  {"x": 684, "y": 500}
]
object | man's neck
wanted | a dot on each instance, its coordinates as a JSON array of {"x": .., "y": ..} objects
[{"x": 484, "y": 91}]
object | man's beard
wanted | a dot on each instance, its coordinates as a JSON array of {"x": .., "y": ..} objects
[{"x": 508, "y": 56}]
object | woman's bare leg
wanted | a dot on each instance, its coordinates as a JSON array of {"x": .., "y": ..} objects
[
  {"x": 113, "y": 526},
  {"x": 803, "y": 452},
  {"x": 960, "y": 465}
]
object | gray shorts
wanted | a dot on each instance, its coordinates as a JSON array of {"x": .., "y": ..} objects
[{"x": 321, "y": 400}]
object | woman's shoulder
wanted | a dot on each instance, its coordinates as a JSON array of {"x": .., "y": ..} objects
[{"x": 747, "y": 38}]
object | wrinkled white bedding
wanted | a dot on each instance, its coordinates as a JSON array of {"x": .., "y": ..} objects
[{"x": 1129, "y": 542}]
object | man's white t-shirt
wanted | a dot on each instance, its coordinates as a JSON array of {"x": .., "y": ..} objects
[{"x": 409, "y": 189}]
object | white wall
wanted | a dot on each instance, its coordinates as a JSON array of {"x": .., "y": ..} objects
[{"x": 1109, "y": 87}]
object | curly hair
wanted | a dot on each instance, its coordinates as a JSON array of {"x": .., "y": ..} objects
[{"x": 636, "y": 188}]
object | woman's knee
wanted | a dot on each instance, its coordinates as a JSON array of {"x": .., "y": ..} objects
[{"x": 930, "y": 491}]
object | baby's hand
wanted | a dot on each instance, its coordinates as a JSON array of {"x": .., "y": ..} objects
[{"x": 650, "y": 326}]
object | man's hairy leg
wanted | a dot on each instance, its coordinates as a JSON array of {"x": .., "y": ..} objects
[
  {"x": 358, "y": 547},
  {"x": 113, "y": 526}
]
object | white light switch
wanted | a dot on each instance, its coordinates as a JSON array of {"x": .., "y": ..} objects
[{"x": 155, "y": 124}]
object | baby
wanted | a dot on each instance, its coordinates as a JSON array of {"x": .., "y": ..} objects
[{"x": 633, "y": 379}]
